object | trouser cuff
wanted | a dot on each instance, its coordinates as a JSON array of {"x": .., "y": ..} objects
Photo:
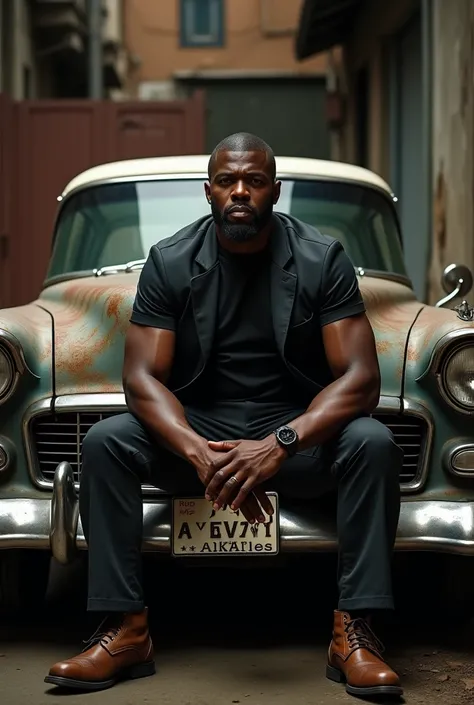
[
  {"x": 102, "y": 605},
  {"x": 382, "y": 602}
]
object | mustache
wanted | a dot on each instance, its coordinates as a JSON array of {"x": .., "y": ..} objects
[{"x": 240, "y": 207}]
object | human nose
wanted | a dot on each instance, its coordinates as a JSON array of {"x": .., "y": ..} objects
[{"x": 240, "y": 192}]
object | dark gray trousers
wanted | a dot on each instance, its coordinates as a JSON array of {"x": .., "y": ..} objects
[{"x": 362, "y": 465}]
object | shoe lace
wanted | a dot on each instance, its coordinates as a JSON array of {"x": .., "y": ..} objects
[
  {"x": 361, "y": 636},
  {"x": 103, "y": 634}
]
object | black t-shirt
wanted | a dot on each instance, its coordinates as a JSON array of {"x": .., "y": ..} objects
[{"x": 245, "y": 364}]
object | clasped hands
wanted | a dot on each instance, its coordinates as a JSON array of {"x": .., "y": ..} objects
[{"x": 233, "y": 472}]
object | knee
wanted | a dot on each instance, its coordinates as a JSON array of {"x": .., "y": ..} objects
[
  {"x": 375, "y": 440},
  {"x": 98, "y": 437},
  {"x": 105, "y": 441}
]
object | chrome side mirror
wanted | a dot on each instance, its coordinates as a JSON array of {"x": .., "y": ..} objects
[{"x": 456, "y": 281}]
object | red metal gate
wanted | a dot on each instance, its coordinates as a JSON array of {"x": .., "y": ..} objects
[{"x": 43, "y": 144}]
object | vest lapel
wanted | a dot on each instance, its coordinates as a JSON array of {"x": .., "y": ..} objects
[
  {"x": 205, "y": 293},
  {"x": 283, "y": 285}
]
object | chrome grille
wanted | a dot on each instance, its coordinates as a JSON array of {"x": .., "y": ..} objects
[
  {"x": 59, "y": 437},
  {"x": 410, "y": 434}
]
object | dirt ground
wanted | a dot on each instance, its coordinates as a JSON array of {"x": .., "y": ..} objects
[{"x": 249, "y": 637}]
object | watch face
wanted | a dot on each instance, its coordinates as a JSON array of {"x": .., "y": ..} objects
[{"x": 286, "y": 435}]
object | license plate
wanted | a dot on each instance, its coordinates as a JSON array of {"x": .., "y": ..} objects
[{"x": 199, "y": 530}]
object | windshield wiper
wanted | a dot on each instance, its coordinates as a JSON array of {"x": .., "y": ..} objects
[{"x": 117, "y": 268}]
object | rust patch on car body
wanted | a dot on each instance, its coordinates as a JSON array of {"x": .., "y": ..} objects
[{"x": 91, "y": 317}]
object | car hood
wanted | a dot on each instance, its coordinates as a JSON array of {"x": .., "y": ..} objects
[{"x": 91, "y": 317}]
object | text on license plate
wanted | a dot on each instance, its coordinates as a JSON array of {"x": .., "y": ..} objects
[{"x": 198, "y": 530}]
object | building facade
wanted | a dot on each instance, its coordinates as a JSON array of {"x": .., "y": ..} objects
[
  {"x": 403, "y": 95},
  {"x": 43, "y": 48},
  {"x": 240, "y": 52}
]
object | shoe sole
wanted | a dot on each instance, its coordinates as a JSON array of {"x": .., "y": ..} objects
[
  {"x": 142, "y": 670},
  {"x": 334, "y": 674}
]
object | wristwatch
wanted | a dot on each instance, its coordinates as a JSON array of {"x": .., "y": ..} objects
[{"x": 288, "y": 439}]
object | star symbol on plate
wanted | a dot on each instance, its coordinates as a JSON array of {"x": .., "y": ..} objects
[
  {"x": 183, "y": 548},
  {"x": 192, "y": 548}
]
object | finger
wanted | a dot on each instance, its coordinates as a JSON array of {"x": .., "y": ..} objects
[
  {"x": 264, "y": 500},
  {"x": 222, "y": 446},
  {"x": 243, "y": 493},
  {"x": 253, "y": 505},
  {"x": 216, "y": 467},
  {"x": 229, "y": 489},
  {"x": 248, "y": 512},
  {"x": 217, "y": 476},
  {"x": 250, "y": 509}
]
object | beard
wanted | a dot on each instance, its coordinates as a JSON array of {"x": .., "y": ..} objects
[{"x": 242, "y": 232}]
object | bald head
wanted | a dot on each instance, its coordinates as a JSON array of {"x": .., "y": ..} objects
[{"x": 243, "y": 142}]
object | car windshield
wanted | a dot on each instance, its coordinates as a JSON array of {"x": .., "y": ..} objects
[{"x": 117, "y": 223}]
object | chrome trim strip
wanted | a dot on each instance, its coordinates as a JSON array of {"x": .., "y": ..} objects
[
  {"x": 450, "y": 451},
  {"x": 13, "y": 345},
  {"x": 116, "y": 402},
  {"x": 44, "y": 406},
  {"x": 14, "y": 351},
  {"x": 388, "y": 405},
  {"x": 412, "y": 408},
  {"x": 10, "y": 453},
  {"x": 453, "y": 338},
  {"x": 91, "y": 402},
  {"x": 442, "y": 351},
  {"x": 441, "y": 526}
]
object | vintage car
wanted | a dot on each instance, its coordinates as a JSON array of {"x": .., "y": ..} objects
[{"x": 61, "y": 366}]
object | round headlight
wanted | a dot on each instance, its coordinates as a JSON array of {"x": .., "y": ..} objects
[
  {"x": 458, "y": 377},
  {"x": 6, "y": 373}
]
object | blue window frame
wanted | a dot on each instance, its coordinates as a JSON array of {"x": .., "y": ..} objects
[{"x": 202, "y": 23}]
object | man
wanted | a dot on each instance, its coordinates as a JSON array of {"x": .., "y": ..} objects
[{"x": 249, "y": 364}]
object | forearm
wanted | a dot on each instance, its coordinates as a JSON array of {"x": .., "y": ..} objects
[
  {"x": 341, "y": 401},
  {"x": 162, "y": 414}
]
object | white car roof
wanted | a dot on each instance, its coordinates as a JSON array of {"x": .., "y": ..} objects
[{"x": 196, "y": 165}]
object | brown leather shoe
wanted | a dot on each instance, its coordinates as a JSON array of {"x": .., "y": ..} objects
[
  {"x": 121, "y": 648},
  {"x": 354, "y": 658}
]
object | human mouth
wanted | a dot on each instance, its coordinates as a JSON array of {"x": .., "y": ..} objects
[{"x": 240, "y": 211}]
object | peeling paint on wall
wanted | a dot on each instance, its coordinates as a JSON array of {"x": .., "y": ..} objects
[{"x": 453, "y": 138}]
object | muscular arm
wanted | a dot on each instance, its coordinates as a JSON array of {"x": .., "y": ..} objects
[
  {"x": 148, "y": 358},
  {"x": 149, "y": 355},
  {"x": 350, "y": 349}
]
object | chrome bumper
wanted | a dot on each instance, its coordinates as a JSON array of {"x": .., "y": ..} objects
[{"x": 54, "y": 524}]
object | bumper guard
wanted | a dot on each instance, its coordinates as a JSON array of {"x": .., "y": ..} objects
[{"x": 54, "y": 524}]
